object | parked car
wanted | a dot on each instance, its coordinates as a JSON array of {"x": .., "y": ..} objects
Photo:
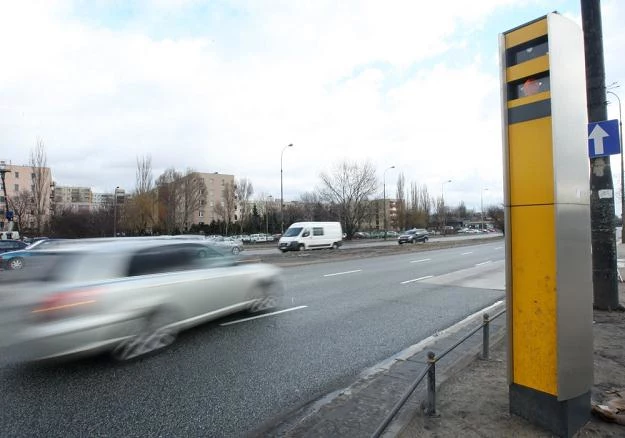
[
  {"x": 128, "y": 298},
  {"x": 11, "y": 245},
  {"x": 228, "y": 243},
  {"x": 16, "y": 259},
  {"x": 413, "y": 236}
]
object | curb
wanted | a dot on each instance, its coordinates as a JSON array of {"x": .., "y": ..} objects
[{"x": 357, "y": 410}]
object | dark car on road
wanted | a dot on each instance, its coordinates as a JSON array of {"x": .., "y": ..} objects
[
  {"x": 11, "y": 245},
  {"x": 413, "y": 236},
  {"x": 15, "y": 259}
]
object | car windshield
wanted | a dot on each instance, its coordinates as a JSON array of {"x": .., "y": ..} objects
[
  {"x": 42, "y": 244},
  {"x": 293, "y": 231}
]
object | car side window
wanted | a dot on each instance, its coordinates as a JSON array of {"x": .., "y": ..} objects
[
  {"x": 170, "y": 258},
  {"x": 317, "y": 231}
]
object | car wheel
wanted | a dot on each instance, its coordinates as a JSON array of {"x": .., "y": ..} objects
[
  {"x": 425, "y": 240},
  {"x": 235, "y": 250},
  {"x": 266, "y": 297},
  {"x": 283, "y": 250},
  {"x": 334, "y": 246},
  {"x": 16, "y": 263},
  {"x": 156, "y": 333},
  {"x": 414, "y": 241},
  {"x": 301, "y": 247}
]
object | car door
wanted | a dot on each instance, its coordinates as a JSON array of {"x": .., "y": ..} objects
[{"x": 192, "y": 278}]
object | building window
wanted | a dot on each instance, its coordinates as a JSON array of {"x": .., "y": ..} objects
[
  {"x": 201, "y": 214},
  {"x": 202, "y": 202},
  {"x": 212, "y": 204},
  {"x": 32, "y": 176},
  {"x": 17, "y": 174},
  {"x": 201, "y": 191},
  {"x": 16, "y": 188}
]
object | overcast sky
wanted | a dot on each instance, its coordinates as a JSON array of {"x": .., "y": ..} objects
[{"x": 223, "y": 86}]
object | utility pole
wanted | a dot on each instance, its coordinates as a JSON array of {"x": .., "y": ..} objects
[{"x": 603, "y": 236}]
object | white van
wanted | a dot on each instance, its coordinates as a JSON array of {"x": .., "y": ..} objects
[
  {"x": 9, "y": 235},
  {"x": 311, "y": 235}
]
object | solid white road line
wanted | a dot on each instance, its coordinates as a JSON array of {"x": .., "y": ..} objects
[
  {"x": 417, "y": 279},
  {"x": 262, "y": 316},
  {"x": 467, "y": 253},
  {"x": 419, "y": 261},
  {"x": 484, "y": 263},
  {"x": 499, "y": 247},
  {"x": 342, "y": 273}
]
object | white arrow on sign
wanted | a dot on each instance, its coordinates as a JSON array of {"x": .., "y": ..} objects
[{"x": 597, "y": 135}]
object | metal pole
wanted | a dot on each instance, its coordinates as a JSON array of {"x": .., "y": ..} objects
[
  {"x": 431, "y": 407},
  {"x": 482, "y": 205},
  {"x": 620, "y": 132},
  {"x": 443, "y": 205},
  {"x": 384, "y": 196},
  {"x": 282, "y": 191},
  {"x": 485, "y": 337},
  {"x": 603, "y": 238}
]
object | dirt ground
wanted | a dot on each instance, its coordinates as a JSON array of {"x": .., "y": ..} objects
[{"x": 475, "y": 402}]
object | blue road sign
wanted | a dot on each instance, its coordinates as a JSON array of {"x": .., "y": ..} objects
[{"x": 603, "y": 138}]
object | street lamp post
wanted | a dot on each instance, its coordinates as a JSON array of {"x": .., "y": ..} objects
[
  {"x": 282, "y": 191},
  {"x": 482, "y": 205},
  {"x": 267, "y": 214},
  {"x": 7, "y": 215},
  {"x": 620, "y": 126},
  {"x": 444, "y": 212},
  {"x": 115, "y": 212},
  {"x": 384, "y": 196}
]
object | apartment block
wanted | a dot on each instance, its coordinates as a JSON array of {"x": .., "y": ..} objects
[
  {"x": 20, "y": 179},
  {"x": 213, "y": 196}
]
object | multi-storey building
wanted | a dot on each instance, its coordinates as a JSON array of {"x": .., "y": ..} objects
[
  {"x": 20, "y": 182},
  {"x": 75, "y": 198},
  {"x": 212, "y": 197}
]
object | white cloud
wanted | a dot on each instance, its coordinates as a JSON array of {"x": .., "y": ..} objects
[{"x": 338, "y": 79}]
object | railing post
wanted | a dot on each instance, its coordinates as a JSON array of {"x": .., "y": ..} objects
[
  {"x": 431, "y": 408},
  {"x": 485, "y": 337}
]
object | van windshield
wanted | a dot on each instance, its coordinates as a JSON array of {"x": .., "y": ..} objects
[{"x": 293, "y": 231}]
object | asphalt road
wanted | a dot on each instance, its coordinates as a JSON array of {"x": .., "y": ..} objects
[
  {"x": 228, "y": 378},
  {"x": 265, "y": 248}
]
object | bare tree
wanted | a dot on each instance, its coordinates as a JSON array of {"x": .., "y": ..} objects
[
  {"x": 22, "y": 206},
  {"x": 419, "y": 206},
  {"x": 349, "y": 187},
  {"x": 168, "y": 185},
  {"x": 496, "y": 214},
  {"x": 193, "y": 195},
  {"x": 228, "y": 205},
  {"x": 140, "y": 208},
  {"x": 41, "y": 181},
  {"x": 400, "y": 220},
  {"x": 244, "y": 191}
]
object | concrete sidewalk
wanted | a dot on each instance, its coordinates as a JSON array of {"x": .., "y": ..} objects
[{"x": 474, "y": 403}]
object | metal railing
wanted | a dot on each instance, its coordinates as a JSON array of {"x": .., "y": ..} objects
[{"x": 430, "y": 372}]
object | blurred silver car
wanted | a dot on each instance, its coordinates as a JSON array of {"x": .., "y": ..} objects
[
  {"x": 130, "y": 298},
  {"x": 229, "y": 243}
]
